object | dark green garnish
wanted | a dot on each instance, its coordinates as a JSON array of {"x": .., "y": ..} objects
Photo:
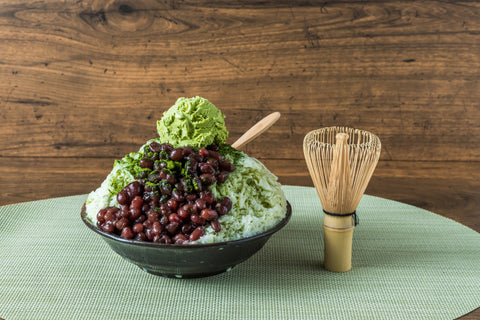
[{"x": 233, "y": 154}]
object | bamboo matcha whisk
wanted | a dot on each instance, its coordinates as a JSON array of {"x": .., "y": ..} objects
[{"x": 341, "y": 162}]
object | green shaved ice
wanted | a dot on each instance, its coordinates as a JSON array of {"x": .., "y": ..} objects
[
  {"x": 258, "y": 202},
  {"x": 194, "y": 122},
  {"x": 123, "y": 173}
]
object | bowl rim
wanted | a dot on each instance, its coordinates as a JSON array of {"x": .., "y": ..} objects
[{"x": 117, "y": 238}]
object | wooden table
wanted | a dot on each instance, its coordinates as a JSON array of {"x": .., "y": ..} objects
[{"x": 83, "y": 82}]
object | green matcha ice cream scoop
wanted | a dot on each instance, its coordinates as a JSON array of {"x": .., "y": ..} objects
[{"x": 192, "y": 121}]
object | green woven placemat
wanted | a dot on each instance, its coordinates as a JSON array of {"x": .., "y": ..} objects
[{"x": 408, "y": 263}]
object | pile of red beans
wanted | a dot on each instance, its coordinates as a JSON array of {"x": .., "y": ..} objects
[{"x": 170, "y": 202}]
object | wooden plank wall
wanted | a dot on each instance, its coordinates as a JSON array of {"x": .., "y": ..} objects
[{"x": 83, "y": 82}]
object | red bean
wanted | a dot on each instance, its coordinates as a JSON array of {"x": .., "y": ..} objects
[
  {"x": 159, "y": 165},
  {"x": 101, "y": 215},
  {"x": 227, "y": 203},
  {"x": 172, "y": 228},
  {"x": 122, "y": 223},
  {"x": 187, "y": 228},
  {"x": 149, "y": 234},
  {"x": 153, "y": 216},
  {"x": 221, "y": 209},
  {"x": 197, "y": 219},
  {"x": 135, "y": 213},
  {"x": 207, "y": 196},
  {"x": 200, "y": 204},
  {"x": 147, "y": 224},
  {"x": 143, "y": 174},
  {"x": 191, "y": 197},
  {"x": 182, "y": 213},
  {"x": 163, "y": 174},
  {"x": 164, "y": 220},
  {"x": 154, "y": 177},
  {"x": 172, "y": 204},
  {"x": 196, "y": 234},
  {"x": 145, "y": 207},
  {"x": 176, "y": 154},
  {"x": 174, "y": 218},
  {"x": 222, "y": 176},
  {"x": 177, "y": 196},
  {"x": 170, "y": 178},
  {"x": 187, "y": 150},
  {"x": 149, "y": 189},
  {"x": 227, "y": 166},
  {"x": 179, "y": 238},
  {"x": 157, "y": 228},
  {"x": 155, "y": 197},
  {"x": 108, "y": 226},
  {"x": 192, "y": 166},
  {"x": 127, "y": 233},
  {"x": 146, "y": 163},
  {"x": 134, "y": 189},
  {"x": 178, "y": 187},
  {"x": 213, "y": 147},
  {"x": 154, "y": 157},
  {"x": 122, "y": 197},
  {"x": 140, "y": 236},
  {"x": 209, "y": 214},
  {"x": 167, "y": 147},
  {"x": 155, "y": 147},
  {"x": 165, "y": 209},
  {"x": 164, "y": 239},
  {"x": 112, "y": 209},
  {"x": 207, "y": 179},
  {"x": 109, "y": 215},
  {"x": 118, "y": 215},
  {"x": 206, "y": 168},
  {"x": 215, "y": 155},
  {"x": 140, "y": 219},
  {"x": 137, "y": 202},
  {"x": 204, "y": 152},
  {"x": 137, "y": 228},
  {"x": 212, "y": 162},
  {"x": 191, "y": 208},
  {"x": 216, "y": 225},
  {"x": 124, "y": 212},
  {"x": 166, "y": 189}
]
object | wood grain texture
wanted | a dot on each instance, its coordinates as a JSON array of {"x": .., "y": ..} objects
[
  {"x": 407, "y": 71},
  {"x": 83, "y": 83}
]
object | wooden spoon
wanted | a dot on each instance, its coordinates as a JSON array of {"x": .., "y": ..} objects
[{"x": 259, "y": 128}]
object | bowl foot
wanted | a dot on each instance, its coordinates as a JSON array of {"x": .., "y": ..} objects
[{"x": 185, "y": 276}]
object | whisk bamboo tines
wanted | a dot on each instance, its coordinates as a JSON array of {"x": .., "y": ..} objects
[{"x": 341, "y": 162}]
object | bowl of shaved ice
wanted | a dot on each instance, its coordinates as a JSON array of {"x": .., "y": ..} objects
[{"x": 187, "y": 204}]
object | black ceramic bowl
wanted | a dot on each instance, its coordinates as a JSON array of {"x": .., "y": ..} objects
[{"x": 187, "y": 261}]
